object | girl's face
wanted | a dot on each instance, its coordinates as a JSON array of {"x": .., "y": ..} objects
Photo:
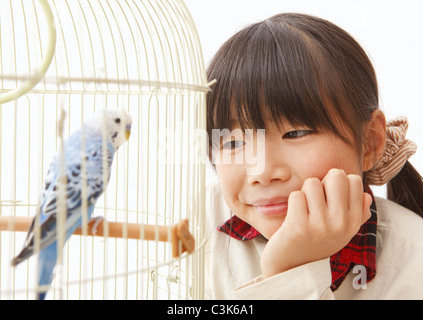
[{"x": 291, "y": 155}]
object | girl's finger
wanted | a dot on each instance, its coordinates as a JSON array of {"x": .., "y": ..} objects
[
  {"x": 315, "y": 196},
  {"x": 367, "y": 202},
  {"x": 337, "y": 192},
  {"x": 297, "y": 207},
  {"x": 355, "y": 201}
]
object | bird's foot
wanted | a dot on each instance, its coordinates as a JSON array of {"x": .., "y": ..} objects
[{"x": 95, "y": 222}]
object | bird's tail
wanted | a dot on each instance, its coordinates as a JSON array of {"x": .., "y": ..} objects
[
  {"x": 41, "y": 295},
  {"x": 46, "y": 262}
]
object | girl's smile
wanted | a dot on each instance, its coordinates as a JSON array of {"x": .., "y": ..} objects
[{"x": 277, "y": 206}]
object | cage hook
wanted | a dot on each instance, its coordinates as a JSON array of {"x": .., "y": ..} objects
[{"x": 173, "y": 274}]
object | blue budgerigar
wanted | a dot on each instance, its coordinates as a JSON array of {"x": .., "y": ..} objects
[{"x": 116, "y": 125}]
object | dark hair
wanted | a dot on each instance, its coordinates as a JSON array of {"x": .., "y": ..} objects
[
  {"x": 406, "y": 188},
  {"x": 301, "y": 69}
]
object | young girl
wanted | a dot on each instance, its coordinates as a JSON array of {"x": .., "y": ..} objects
[{"x": 299, "y": 220}]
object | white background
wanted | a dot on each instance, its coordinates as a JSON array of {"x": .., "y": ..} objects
[{"x": 391, "y": 32}]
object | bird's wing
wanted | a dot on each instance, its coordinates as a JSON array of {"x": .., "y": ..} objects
[
  {"x": 49, "y": 183},
  {"x": 74, "y": 182}
]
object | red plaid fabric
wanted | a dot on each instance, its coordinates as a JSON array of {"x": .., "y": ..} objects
[{"x": 361, "y": 250}]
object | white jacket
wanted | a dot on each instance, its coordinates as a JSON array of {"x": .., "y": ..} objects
[{"x": 233, "y": 266}]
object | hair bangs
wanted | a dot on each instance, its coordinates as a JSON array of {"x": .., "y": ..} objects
[{"x": 269, "y": 74}]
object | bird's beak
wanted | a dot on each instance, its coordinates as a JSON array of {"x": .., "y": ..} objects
[{"x": 128, "y": 131}]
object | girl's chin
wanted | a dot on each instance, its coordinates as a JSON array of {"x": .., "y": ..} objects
[{"x": 267, "y": 230}]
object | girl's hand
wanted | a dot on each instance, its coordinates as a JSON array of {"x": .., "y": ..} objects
[{"x": 321, "y": 220}]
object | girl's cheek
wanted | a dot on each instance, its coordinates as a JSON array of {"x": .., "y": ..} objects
[
  {"x": 231, "y": 179},
  {"x": 328, "y": 154}
]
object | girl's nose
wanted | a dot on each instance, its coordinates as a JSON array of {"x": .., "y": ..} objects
[{"x": 269, "y": 169}]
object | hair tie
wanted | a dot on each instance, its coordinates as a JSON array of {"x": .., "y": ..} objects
[{"x": 397, "y": 151}]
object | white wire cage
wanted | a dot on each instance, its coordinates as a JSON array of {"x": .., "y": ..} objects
[{"x": 78, "y": 57}]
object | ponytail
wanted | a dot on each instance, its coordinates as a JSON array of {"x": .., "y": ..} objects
[{"x": 406, "y": 189}]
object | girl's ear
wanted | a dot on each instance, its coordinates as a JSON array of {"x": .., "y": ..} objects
[{"x": 374, "y": 145}]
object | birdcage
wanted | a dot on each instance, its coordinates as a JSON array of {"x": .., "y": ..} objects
[{"x": 62, "y": 61}]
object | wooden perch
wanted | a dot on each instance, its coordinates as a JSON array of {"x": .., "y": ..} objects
[{"x": 178, "y": 234}]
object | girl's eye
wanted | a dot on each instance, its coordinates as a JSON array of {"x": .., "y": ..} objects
[
  {"x": 295, "y": 134},
  {"x": 233, "y": 144}
]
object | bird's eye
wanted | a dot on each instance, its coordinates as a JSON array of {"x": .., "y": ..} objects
[{"x": 117, "y": 120}]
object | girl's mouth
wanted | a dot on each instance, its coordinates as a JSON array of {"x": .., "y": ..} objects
[{"x": 271, "y": 207}]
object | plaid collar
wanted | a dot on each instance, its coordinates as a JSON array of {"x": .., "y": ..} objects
[{"x": 361, "y": 250}]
